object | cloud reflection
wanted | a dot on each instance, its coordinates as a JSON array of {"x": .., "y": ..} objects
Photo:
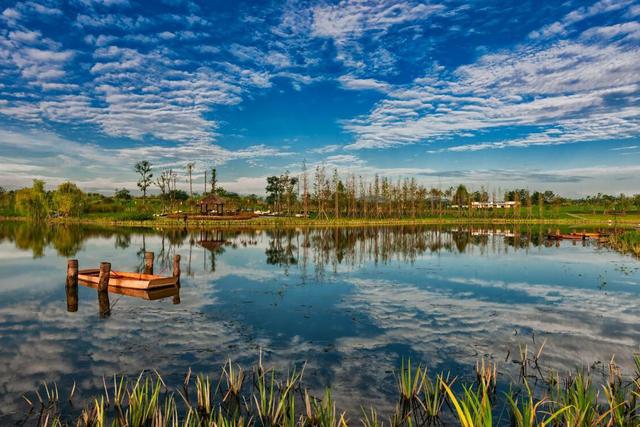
[{"x": 350, "y": 302}]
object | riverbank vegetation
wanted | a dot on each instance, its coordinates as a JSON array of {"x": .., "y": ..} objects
[
  {"x": 319, "y": 197},
  {"x": 262, "y": 397},
  {"x": 626, "y": 242}
]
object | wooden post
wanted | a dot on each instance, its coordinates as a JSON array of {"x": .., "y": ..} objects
[
  {"x": 103, "y": 289},
  {"x": 148, "y": 262},
  {"x": 72, "y": 285},
  {"x": 176, "y": 268}
]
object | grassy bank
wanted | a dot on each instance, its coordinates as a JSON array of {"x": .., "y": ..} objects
[
  {"x": 261, "y": 397},
  {"x": 584, "y": 220}
]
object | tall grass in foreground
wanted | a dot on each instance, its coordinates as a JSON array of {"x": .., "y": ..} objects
[{"x": 264, "y": 398}]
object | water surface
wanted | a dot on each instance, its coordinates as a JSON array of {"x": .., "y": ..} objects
[{"x": 350, "y": 302}]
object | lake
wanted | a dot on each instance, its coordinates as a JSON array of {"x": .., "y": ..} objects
[{"x": 350, "y": 302}]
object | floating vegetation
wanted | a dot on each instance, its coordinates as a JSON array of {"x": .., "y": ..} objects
[{"x": 261, "y": 397}]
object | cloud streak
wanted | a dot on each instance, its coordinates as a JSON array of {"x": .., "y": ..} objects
[{"x": 582, "y": 89}]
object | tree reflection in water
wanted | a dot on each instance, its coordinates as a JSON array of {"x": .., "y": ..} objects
[{"x": 286, "y": 247}]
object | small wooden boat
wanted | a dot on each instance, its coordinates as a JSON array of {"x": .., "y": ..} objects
[
  {"x": 150, "y": 294},
  {"x": 124, "y": 279}
]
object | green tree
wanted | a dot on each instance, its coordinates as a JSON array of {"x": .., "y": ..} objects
[
  {"x": 68, "y": 199},
  {"x": 214, "y": 180},
  {"x": 190, "y": 167},
  {"x": 122, "y": 194},
  {"x": 143, "y": 169},
  {"x": 180, "y": 195},
  {"x": 461, "y": 195},
  {"x": 274, "y": 191},
  {"x": 33, "y": 201}
]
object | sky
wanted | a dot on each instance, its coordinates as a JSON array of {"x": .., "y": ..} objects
[{"x": 501, "y": 94}]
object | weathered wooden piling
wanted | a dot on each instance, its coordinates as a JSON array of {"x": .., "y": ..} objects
[
  {"x": 103, "y": 289},
  {"x": 148, "y": 262},
  {"x": 72, "y": 285},
  {"x": 176, "y": 269},
  {"x": 176, "y": 298}
]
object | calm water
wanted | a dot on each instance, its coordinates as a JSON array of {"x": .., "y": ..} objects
[{"x": 350, "y": 302}]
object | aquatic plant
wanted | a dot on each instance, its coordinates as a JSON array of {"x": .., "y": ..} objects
[
  {"x": 626, "y": 242},
  {"x": 261, "y": 397}
]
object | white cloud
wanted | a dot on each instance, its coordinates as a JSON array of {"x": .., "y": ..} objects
[
  {"x": 46, "y": 156},
  {"x": 628, "y": 147},
  {"x": 348, "y": 21},
  {"x": 575, "y": 91},
  {"x": 562, "y": 27},
  {"x": 351, "y": 18},
  {"x": 326, "y": 149},
  {"x": 353, "y": 83}
]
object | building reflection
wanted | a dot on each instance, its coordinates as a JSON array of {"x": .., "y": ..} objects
[{"x": 212, "y": 243}]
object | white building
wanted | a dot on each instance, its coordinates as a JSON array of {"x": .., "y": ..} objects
[{"x": 493, "y": 205}]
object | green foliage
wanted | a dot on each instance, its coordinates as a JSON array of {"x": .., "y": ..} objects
[
  {"x": 143, "y": 169},
  {"x": 280, "y": 189},
  {"x": 122, "y": 194},
  {"x": 33, "y": 202},
  {"x": 68, "y": 199},
  {"x": 8, "y": 203},
  {"x": 179, "y": 195}
]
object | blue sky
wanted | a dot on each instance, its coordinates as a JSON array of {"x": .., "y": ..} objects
[{"x": 534, "y": 94}]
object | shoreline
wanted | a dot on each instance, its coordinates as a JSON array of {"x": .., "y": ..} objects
[{"x": 289, "y": 222}]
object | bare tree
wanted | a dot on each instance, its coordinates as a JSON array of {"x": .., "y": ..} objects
[
  {"x": 305, "y": 189},
  {"x": 335, "y": 183},
  {"x": 319, "y": 189}
]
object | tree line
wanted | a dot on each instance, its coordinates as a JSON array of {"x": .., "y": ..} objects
[
  {"x": 319, "y": 193},
  {"x": 326, "y": 194},
  {"x": 68, "y": 200}
]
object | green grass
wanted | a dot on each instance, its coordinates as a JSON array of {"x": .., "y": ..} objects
[
  {"x": 138, "y": 213},
  {"x": 144, "y": 219},
  {"x": 261, "y": 397}
]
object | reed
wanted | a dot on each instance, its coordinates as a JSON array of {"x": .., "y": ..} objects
[
  {"x": 262, "y": 398},
  {"x": 626, "y": 242}
]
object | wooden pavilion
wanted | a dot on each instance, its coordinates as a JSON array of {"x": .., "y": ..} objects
[{"x": 212, "y": 205}]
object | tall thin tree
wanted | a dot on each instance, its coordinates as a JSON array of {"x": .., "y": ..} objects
[
  {"x": 143, "y": 169},
  {"x": 190, "y": 167},
  {"x": 214, "y": 180},
  {"x": 305, "y": 189}
]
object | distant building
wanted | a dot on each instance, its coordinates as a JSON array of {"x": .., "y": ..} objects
[{"x": 493, "y": 205}]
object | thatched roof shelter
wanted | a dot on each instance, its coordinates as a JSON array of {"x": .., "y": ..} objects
[{"x": 212, "y": 204}]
